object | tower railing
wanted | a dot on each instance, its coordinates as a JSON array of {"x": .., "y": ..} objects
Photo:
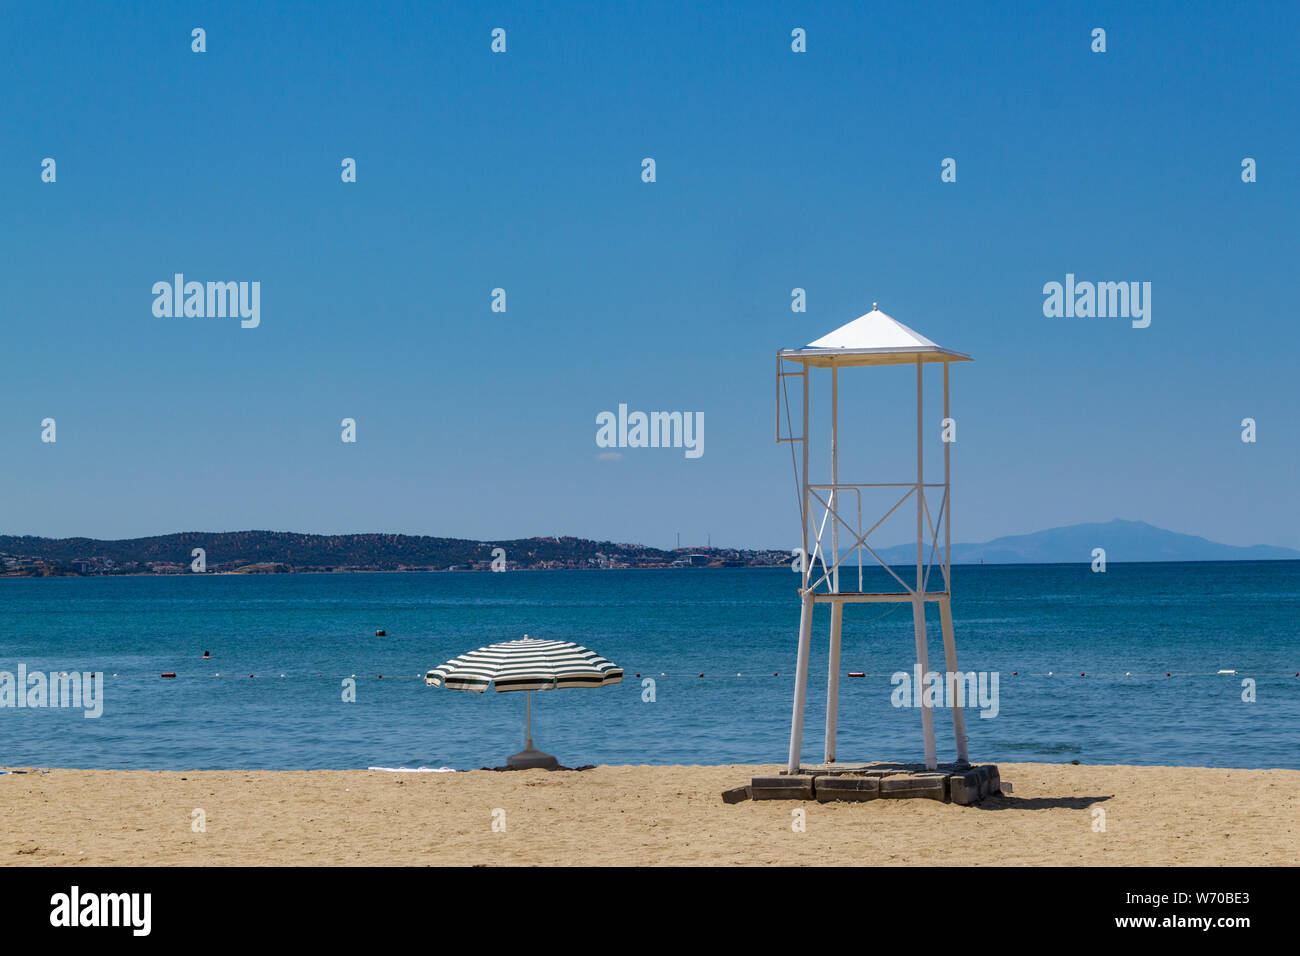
[{"x": 829, "y": 508}]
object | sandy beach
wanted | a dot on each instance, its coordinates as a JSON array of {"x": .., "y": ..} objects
[{"x": 639, "y": 816}]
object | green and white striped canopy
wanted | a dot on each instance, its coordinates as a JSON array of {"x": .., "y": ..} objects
[{"x": 527, "y": 664}]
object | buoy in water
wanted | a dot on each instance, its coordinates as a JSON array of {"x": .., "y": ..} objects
[
  {"x": 381, "y": 633},
  {"x": 857, "y": 674},
  {"x": 168, "y": 673},
  {"x": 206, "y": 655}
]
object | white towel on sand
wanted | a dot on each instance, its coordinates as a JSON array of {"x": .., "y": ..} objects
[{"x": 413, "y": 769}]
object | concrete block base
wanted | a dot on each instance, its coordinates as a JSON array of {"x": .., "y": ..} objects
[
  {"x": 784, "y": 787},
  {"x": 962, "y": 784}
]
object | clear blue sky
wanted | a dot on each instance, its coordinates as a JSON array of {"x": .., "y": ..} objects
[{"x": 522, "y": 171}]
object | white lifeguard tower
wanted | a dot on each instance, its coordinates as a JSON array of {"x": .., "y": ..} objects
[{"x": 870, "y": 340}]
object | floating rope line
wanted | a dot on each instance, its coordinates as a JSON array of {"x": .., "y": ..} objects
[
  {"x": 171, "y": 675},
  {"x": 1014, "y": 674}
]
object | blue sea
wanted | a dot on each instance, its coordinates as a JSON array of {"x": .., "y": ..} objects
[{"x": 301, "y": 635}]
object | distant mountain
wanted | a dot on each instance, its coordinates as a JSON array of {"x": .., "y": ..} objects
[{"x": 1123, "y": 541}]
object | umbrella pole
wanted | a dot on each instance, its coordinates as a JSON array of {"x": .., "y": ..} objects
[{"x": 528, "y": 757}]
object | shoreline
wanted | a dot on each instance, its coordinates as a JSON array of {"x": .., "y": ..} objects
[
  {"x": 757, "y": 769},
  {"x": 640, "y": 815}
]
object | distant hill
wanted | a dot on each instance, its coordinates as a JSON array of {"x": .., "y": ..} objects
[
  {"x": 1123, "y": 541},
  {"x": 280, "y": 551}
]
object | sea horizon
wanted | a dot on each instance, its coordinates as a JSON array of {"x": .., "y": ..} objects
[{"x": 649, "y": 568}]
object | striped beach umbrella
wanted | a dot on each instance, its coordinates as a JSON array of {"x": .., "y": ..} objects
[{"x": 528, "y": 664}]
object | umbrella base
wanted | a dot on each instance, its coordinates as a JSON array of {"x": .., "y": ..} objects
[{"x": 532, "y": 760}]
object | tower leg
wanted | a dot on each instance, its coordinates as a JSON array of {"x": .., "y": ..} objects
[
  {"x": 800, "y": 683},
  {"x": 923, "y": 659},
  {"x": 950, "y": 656},
  {"x": 833, "y": 681}
]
